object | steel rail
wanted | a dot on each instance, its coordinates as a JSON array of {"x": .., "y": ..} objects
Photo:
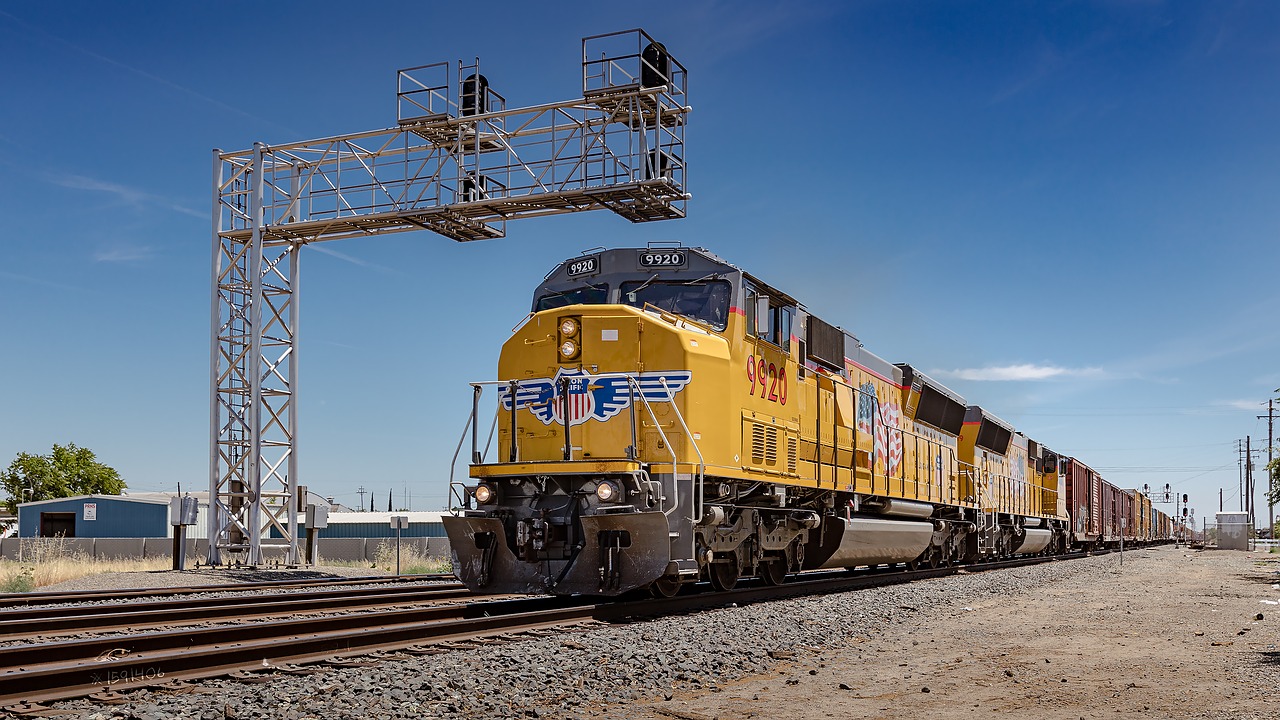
[
  {"x": 39, "y": 672},
  {"x": 17, "y": 624},
  {"x": 8, "y": 600}
]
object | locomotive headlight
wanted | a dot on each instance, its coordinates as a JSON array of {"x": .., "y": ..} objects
[
  {"x": 484, "y": 494},
  {"x": 568, "y": 348},
  {"x": 608, "y": 491},
  {"x": 568, "y": 327}
]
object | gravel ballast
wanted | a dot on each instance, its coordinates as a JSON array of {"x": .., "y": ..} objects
[{"x": 604, "y": 671}]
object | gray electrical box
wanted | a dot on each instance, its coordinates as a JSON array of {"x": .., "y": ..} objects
[
  {"x": 183, "y": 510},
  {"x": 317, "y": 516}
]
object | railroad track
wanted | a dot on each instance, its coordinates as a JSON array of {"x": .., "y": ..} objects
[
  {"x": 126, "y": 616},
  {"x": 102, "y": 667},
  {"x": 12, "y": 600}
]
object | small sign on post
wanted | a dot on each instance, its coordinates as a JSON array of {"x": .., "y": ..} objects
[
  {"x": 1124, "y": 523},
  {"x": 91, "y": 511},
  {"x": 399, "y": 523}
]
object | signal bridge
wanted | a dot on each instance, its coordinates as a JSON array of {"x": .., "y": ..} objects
[{"x": 458, "y": 163}]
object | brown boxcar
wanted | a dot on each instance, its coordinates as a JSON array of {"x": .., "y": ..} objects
[
  {"x": 1112, "y": 510},
  {"x": 1084, "y": 491}
]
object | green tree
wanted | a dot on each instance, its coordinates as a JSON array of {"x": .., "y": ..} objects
[
  {"x": 65, "y": 472},
  {"x": 1273, "y": 491}
]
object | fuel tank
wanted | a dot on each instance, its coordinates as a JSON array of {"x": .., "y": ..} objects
[
  {"x": 1035, "y": 541},
  {"x": 850, "y": 542}
]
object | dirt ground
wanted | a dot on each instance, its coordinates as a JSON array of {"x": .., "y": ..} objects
[{"x": 1171, "y": 633}]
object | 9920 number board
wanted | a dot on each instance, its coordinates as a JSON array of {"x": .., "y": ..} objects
[{"x": 663, "y": 259}]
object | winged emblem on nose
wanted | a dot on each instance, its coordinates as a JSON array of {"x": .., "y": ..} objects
[{"x": 597, "y": 397}]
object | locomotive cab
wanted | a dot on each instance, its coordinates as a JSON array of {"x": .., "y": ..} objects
[{"x": 593, "y": 484}]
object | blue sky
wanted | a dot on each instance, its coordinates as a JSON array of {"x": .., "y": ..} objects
[{"x": 1065, "y": 211}]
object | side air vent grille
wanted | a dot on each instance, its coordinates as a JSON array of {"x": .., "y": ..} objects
[{"x": 764, "y": 445}]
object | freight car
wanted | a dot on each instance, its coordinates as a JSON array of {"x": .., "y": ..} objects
[{"x": 663, "y": 417}]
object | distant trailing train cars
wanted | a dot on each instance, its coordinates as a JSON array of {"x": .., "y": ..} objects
[
  {"x": 1102, "y": 514},
  {"x": 663, "y": 417}
]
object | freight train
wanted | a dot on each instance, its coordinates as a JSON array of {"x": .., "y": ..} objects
[{"x": 663, "y": 417}]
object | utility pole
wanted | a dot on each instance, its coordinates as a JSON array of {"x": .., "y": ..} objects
[
  {"x": 1248, "y": 476},
  {"x": 361, "y": 492},
  {"x": 1240, "y": 466},
  {"x": 1271, "y": 508}
]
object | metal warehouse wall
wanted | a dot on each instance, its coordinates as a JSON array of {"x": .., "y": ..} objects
[
  {"x": 116, "y": 518},
  {"x": 381, "y": 530}
]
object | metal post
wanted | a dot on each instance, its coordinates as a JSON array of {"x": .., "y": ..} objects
[
  {"x": 1248, "y": 476},
  {"x": 295, "y": 497},
  {"x": 179, "y": 547},
  {"x": 1271, "y": 506},
  {"x": 514, "y": 389},
  {"x": 215, "y": 520},
  {"x": 634, "y": 450},
  {"x": 397, "y": 548},
  {"x": 254, "y": 361},
  {"x": 475, "y": 424},
  {"x": 564, "y": 410}
]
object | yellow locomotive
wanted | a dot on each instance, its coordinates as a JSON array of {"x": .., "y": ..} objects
[{"x": 663, "y": 417}]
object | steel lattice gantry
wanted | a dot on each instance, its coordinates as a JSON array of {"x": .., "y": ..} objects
[{"x": 458, "y": 163}]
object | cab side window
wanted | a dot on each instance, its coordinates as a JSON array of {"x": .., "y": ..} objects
[{"x": 767, "y": 317}]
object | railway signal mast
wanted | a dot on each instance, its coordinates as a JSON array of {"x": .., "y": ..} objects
[{"x": 459, "y": 163}]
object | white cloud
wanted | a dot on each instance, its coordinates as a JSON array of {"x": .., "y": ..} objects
[
  {"x": 124, "y": 253},
  {"x": 353, "y": 260},
  {"x": 126, "y": 194},
  {"x": 1244, "y": 404},
  {"x": 1018, "y": 372}
]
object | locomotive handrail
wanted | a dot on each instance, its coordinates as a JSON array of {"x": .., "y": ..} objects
[
  {"x": 702, "y": 465},
  {"x": 458, "y": 489},
  {"x": 463, "y": 500},
  {"x": 634, "y": 384}
]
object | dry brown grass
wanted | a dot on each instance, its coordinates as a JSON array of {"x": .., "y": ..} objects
[
  {"x": 49, "y": 561},
  {"x": 411, "y": 561}
]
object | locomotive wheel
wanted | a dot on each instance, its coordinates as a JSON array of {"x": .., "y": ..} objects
[
  {"x": 934, "y": 558},
  {"x": 773, "y": 571},
  {"x": 723, "y": 575},
  {"x": 665, "y": 587}
]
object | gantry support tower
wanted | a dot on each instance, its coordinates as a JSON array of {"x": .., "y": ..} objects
[{"x": 458, "y": 163}]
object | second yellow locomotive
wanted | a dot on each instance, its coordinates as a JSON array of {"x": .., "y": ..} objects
[{"x": 665, "y": 417}]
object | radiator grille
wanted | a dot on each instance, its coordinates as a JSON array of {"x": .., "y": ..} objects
[{"x": 764, "y": 445}]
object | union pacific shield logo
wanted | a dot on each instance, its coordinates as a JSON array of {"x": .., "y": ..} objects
[{"x": 598, "y": 397}]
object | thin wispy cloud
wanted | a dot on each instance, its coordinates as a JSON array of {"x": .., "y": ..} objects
[
  {"x": 136, "y": 71},
  {"x": 1016, "y": 373},
  {"x": 353, "y": 260},
  {"x": 135, "y": 197},
  {"x": 1243, "y": 404},
  {"x": 125, "y": 254},
  {"x": 39, "y": 281}
]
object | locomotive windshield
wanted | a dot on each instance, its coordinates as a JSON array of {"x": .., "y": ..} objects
[
  {"x": 589, "y": 295},
  {"x": 706, "y": 301}
]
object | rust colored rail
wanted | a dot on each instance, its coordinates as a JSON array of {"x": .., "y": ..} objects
[
  {"x": 11, "y": 600},
  {"x": 44, "y": 621}
]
